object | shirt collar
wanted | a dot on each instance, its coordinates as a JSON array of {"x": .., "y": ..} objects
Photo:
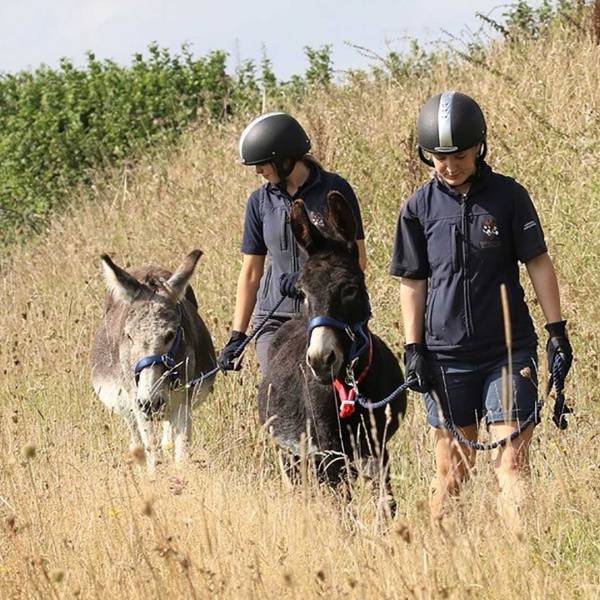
[
  {"x": 478, "y": 180},
  {"x": 314, "y": 177}
]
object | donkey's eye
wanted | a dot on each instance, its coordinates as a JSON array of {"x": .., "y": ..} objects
[
  {"x": 349, "y": 291},
  {"x": 129, "y": 337},
  {"x": 169, "y": 337}
]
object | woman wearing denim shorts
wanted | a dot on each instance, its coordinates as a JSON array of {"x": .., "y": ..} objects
[{"x": 460, "y": 238}]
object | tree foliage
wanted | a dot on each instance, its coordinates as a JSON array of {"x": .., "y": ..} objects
[{"x": 58, "y": 125}]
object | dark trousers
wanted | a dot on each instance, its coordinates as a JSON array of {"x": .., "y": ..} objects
[{"x": 264, "y": 338}]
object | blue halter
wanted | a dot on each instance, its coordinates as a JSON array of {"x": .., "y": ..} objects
[
  {"x": 167, "y": 359},
  {"x": 357, "y": 333}
]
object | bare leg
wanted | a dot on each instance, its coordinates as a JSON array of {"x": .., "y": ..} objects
[
  {"x": 512, "y": 470},
  {"x": 453, "y": 465}
]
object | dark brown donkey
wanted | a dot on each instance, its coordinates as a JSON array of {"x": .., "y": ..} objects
[
  {"x": 150, "y": 342},
  {"x": 320, "y": 360}
]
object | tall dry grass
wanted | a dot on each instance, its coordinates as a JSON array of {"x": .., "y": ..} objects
[{"x": 78, "y": 518}]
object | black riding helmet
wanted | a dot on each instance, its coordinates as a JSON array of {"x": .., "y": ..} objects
[
  {"x": 274, "y": 137},
  {"x": 450, "y": 122}
]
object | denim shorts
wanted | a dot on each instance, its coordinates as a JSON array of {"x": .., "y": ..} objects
[{"x": 467, "y": 392}]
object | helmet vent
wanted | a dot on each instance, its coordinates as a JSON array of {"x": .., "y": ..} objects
[{"x": 445, "y": 123}]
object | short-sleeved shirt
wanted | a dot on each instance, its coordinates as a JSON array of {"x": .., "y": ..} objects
[
  {"x": 467, "y": 246},
  {"x": 267, "y": 231}
]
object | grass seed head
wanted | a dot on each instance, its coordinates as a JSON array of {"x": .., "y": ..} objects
[
  {"x": 57, "y": 575},
  {"x": 138, "y": 455},
  {"x": 29, "y": 451},
  {"x": 148, "y": 507}
]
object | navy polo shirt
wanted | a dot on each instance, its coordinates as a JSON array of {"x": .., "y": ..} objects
[
  {"x": 467, "y": 246},
  {"x": 267, "y": 231}
]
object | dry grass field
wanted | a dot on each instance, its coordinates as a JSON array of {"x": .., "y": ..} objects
[{"x": 78, "y": 516}]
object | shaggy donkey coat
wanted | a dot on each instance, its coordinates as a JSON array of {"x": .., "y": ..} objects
[
  {"x": 147, "y": 313},
  {"x": 296, "y": 396}
]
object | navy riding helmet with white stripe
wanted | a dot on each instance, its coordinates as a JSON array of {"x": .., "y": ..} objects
[
  {"x": 450, "y": 122},
  {"x": 274, "y": 137}
]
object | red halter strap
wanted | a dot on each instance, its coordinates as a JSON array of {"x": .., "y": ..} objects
[{"x": 346, "y": 393}]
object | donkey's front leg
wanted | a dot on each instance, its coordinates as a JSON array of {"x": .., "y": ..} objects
[
  {"x": 181, "y": 421},
  {"x": 148, "y": 437},
  {"x": 376, "y": 469},
  {"x": 133, "y": 427},
  {"x": 166, "y": 443}
]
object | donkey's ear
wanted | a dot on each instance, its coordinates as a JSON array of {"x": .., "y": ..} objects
[
  {"x": 178, "y": 282},
  {"x": 309, "y": 238},
  {"x": 120, "y": 283},
  {"x": 341, "y": 217}
]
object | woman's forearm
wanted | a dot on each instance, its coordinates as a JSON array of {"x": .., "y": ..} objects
[
  {"x": 543, "y": 277},
  {"x": 413, "y": 294},
  {"x": 247, "y": 288}
]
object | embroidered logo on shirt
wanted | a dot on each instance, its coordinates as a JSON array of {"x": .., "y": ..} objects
[
  {"x": 529, "y": 225},
  {"x": 490, "y": 229},
  {"x": 318, "y": 216}
]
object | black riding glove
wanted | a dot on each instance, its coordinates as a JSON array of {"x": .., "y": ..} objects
[
  {"x": 415, "y": 367},
  {"x": 558, "y": 343},
  {"x": 287, "y": 285},
  {"x": 227, "y": 359}
]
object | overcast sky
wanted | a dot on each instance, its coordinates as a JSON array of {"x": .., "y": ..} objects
[{"x": 41, "y": 31}]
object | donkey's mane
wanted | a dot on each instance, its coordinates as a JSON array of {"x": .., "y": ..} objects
[{"x": 154, "y": 279}]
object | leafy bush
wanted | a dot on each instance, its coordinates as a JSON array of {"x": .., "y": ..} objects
[{"x": 58, "y": 125}]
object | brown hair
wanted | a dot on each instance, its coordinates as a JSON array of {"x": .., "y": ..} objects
[{"x": 310, "y": 159}]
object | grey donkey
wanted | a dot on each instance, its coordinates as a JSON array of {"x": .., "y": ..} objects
[{"x": 150, "y": 342}]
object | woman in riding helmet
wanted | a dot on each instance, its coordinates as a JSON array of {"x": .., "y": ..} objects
[
  {"x": 459, "y": 238},
  {"x": 278, "y": 148}
]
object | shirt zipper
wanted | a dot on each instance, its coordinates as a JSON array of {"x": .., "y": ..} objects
[
  {"x": 295, "y": 266},
  {"x": 467, "y": 280}
]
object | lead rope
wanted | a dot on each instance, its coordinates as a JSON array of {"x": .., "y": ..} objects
[
  {"x": 557, "y": 381},
  {"x": 561, "y": 409},
  {"x": 241, "y": 348}
]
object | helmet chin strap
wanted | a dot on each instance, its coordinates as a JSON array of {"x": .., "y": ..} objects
[
  {"x": 283, "y": 171},
  {"x": 424, "y": 159},
  {"x": 480, "y": 157}
]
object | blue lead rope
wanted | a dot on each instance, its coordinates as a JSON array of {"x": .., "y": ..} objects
[
  {"x": 557, "y": 381},
  {"x": 257, "y": 328},
  {"x": 561, "y": 409},
  {"x": 241, "y": 348},
  {"x": 375, "y": 405},
  {"x": 200, "y": 380}
]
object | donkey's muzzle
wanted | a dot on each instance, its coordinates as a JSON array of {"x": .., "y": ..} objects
[
  {"x": 324, "y": 355},
  {"x": 324, "y": 363},
  {"x": 322, "y": 366}
]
